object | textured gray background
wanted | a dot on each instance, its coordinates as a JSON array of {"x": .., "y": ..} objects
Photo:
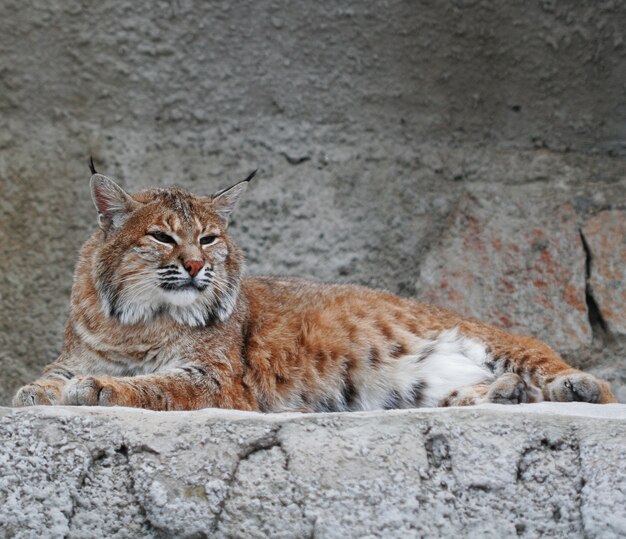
[{"x": 449, "y": 150}]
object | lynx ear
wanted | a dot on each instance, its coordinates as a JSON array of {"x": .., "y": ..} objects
[
  {"x": 112, "y": 202},
  {"x": 225, "y": 201}
]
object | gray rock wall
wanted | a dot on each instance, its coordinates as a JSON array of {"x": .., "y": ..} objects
[
  {"x": 542, "y": 71},
  {"x": 550, "y": 470},
  {"x": 449, "y": 150}
]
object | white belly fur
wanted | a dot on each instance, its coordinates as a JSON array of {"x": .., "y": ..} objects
[
  {"x": 444, "y": 363},
  {"x": 457, "y": 361}
]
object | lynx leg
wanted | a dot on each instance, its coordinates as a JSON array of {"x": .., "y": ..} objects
[
  {"x": 45, "y": 391},
  {"x": 186, "y": 388},
  {"x": 578, "y": 386},
  {"x": 510, "y": 388},
  {"x": 507, "y": 389},
  {"x": 539, "y": 365},
  {"x": 466, "y": 396}
]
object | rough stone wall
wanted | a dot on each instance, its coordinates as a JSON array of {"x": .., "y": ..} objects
[
  {"x": 449, "y": 150},
  {"x": 550, "y": 470}
]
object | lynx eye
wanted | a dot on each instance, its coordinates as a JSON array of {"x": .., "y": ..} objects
[
  {"x": 208, "y": 240},
  {"x": 162, "y": 237}
]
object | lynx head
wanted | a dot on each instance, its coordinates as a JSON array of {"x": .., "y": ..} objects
[{"x": 166, "y": 252}]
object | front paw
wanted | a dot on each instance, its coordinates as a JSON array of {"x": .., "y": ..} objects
[
  {"x": 580, "y": 387},
  {"x": 508, "y": 389},
  {"x": 90, "y": 391},
  {"x": 35, "y": 395}
]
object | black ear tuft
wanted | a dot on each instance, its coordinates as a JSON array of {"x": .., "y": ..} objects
[
  {"x": 251, "y": 175},
  {"x": 222, "y": 191},
  {"x": 93, "y": 168}
]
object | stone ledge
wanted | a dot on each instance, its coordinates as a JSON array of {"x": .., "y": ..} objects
[{"x": 490, "y": 471}]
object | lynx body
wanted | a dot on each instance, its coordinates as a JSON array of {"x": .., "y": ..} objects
[{"x": 162, "y": 318}]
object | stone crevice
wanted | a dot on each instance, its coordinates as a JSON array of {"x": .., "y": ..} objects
[
  {"x": 98, "y": 456},
  {"x": 580, "y": 485},
  {"x": 597, "y": 323},
  {"x": 438, "y": 452},
  {"x": 265, "y": 443},
  {"x": 550, "y": 472},
  {"x": 126, "y": 451}
]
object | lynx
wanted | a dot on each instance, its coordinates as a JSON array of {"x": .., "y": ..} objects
[{"x": 162, "y": 318}]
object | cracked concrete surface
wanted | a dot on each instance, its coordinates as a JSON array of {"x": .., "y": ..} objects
[{"x": 490, "y": 471}]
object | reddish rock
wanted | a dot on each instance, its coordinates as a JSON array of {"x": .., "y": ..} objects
[
  {"x": 605, "y": 235},
  {"x": 514, "y": 262}
]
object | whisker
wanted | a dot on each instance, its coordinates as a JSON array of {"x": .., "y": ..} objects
[
  {"x": 130, "y": 277},
  {"x": 131, "y": 293}
]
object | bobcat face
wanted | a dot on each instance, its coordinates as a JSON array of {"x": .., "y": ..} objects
[{"x": 166, "y": 252}]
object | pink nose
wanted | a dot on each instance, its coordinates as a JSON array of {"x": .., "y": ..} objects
[{"x": 193, "y": 266}]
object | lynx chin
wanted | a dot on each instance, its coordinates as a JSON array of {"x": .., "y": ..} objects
[{"x": 162, "y": 318}]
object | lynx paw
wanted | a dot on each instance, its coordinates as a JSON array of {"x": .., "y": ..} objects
[
  {"x": 89, "y": 391},
  {"x": 35, "y": 395},
  {"x": 579, "y": 387},
  {"x": 508, "y": 389}
]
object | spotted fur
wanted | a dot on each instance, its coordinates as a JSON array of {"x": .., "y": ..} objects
[{"x": 162, "y": 318}]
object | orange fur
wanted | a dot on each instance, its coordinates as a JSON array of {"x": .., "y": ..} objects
[{"x": 144, "y": 333}]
